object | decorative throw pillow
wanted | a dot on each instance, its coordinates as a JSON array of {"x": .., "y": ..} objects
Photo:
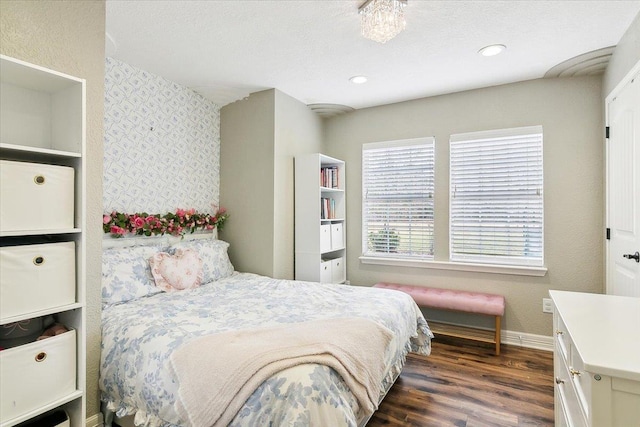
[
  {"x": 215, "y": 259},
  {"x": 177, "y": 272}
]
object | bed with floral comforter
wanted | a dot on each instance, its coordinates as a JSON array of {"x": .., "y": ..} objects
[{"x": 141, "y": 328}]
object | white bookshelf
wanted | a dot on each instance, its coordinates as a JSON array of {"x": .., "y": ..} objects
[
  {"x": 320, "y": 212},
  {"x": 42, "y": 122}
]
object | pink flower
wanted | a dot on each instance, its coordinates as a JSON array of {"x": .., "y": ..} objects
[
  {"x": 180, "y": 212},
  {"x": 221, "y": 211},
  {"x": 138, "y": 222},
  {"x": 209, "y": 227},
  {"x": 117, "y": 230},
  {"x": 106, "y": 219}
]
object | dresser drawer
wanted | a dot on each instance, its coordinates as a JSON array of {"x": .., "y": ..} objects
[
  {"x": 573, "y": 368},
  {"x": 36, "y": 196},
  {"x": 581, "y": 381},
  {"x": 37, "y": 374},
  {"x": 562, "y": 339},
  {"x": 36, "y": 277},
  {"x": 566, "y": 394}
]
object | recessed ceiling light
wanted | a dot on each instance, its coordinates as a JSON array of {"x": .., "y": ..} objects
[
  {"x": 492, "y": 50},
  {"x": 358, "y": 79}
]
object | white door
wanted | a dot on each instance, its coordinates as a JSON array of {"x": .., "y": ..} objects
[{"x": 623, "y": 188}]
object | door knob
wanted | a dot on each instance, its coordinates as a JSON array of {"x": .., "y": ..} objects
[{"x": 635, "y": 256}]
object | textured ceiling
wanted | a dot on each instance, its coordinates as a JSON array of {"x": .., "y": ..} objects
[{"x": 309, "y": 49}]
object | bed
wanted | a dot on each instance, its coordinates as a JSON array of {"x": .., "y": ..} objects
[{"x": 156, "y": 345}]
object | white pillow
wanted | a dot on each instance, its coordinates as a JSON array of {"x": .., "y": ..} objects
[
  {"x": 213, "y": 253},
  {"x": 126, "y": 274}
]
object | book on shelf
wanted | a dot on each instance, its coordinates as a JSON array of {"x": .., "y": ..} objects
[
  {"x": 327, "y": 208},
  {"x": 329, "y": 177}
]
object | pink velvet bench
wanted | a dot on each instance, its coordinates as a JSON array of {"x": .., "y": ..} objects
[{"x": 468, "y": 302}]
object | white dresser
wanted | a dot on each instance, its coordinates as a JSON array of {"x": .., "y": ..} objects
[{"x": 596, "y": 360}]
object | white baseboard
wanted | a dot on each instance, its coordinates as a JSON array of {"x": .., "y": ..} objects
[
  {"x": 540, "y": 342},
  {"x": 521, "y": 339},
  {"x": 95, "y": 420}
]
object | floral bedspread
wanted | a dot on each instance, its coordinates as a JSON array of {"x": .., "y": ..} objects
[{"x": 139, "y": 336}]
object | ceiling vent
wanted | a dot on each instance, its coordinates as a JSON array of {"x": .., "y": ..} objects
[{"x": 329, "y": 110}]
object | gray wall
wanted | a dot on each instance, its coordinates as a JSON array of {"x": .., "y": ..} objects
[
  {"x": 298, "y": 130},
  {"x": 68, "y": 36},
  {"x": 247, "y": 181},
  {"x": 626, "y": 55},
  {"x": 571, "y": 113},
  {"x": 259, "y": 138}
]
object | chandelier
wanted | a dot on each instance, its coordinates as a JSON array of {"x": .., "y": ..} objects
[{"x": 382, "y": 20}]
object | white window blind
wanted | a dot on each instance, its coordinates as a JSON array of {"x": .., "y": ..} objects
[
  {"x": 397, "y": 179},
  {"x": 496, "y": 200}
]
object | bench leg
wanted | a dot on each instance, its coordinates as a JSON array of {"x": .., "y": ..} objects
[{"x": 497, "y": 339}]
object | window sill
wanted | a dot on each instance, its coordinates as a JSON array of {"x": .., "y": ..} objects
[{"x": 458, "y": 266}]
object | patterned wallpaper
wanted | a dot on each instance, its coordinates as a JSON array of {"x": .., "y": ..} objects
[{"x": 161, "y": 144}]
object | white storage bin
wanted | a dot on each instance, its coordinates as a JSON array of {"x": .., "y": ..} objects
[
  {"x": 337, "y": 236},
  {"x": 325, "y": 237},
  {"x": 325, "y": 272},
  {"x": 36, "y": 277},
  {"x": 36, "y": 196},
  {"x": 337, "y": 270},
  {"x": 37, "y": 374}
]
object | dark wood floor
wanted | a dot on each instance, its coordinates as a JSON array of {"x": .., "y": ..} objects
[{"x": 463, "y": 384}]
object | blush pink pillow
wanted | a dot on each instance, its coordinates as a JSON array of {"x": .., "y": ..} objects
[{"x": 176, "y": 272}]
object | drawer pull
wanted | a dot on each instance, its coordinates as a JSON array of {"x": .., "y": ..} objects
[
  {"x": 574, "y": 373},
  {"x": 41, "y": 356},
  {"x": 558, "y": 332},
  {"x": 38, "y": 260},
  {"x": 39, "y": 179},
  {"x": 559, "y": 381}
]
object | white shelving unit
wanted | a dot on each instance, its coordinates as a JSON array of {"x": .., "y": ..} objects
[
  {"x": 320, "y": 212},
  {"x": 42, "y": 126}
]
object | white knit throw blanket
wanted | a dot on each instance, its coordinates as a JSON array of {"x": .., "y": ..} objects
[{"x": 217, "y": 373}]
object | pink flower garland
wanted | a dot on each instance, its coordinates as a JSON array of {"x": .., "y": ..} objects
[{"x": 176, "y": 224}]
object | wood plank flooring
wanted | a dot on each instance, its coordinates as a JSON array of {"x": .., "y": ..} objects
[{"x": 464, "y": 384}]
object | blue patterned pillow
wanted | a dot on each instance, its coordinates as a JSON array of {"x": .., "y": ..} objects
[
  {"x": 213, "y": 253},
  {"x": 126, "y": 274}
]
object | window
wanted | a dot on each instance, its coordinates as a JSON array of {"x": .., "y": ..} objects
[
  {"x": 397, "y": 181},
  {"x": 496, "y": 200}
]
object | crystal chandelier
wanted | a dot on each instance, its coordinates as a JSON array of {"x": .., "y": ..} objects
[{"x": 382, "y": 20}]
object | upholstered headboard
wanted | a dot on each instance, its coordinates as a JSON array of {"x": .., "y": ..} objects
[{"x": 167, "y": 240}]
